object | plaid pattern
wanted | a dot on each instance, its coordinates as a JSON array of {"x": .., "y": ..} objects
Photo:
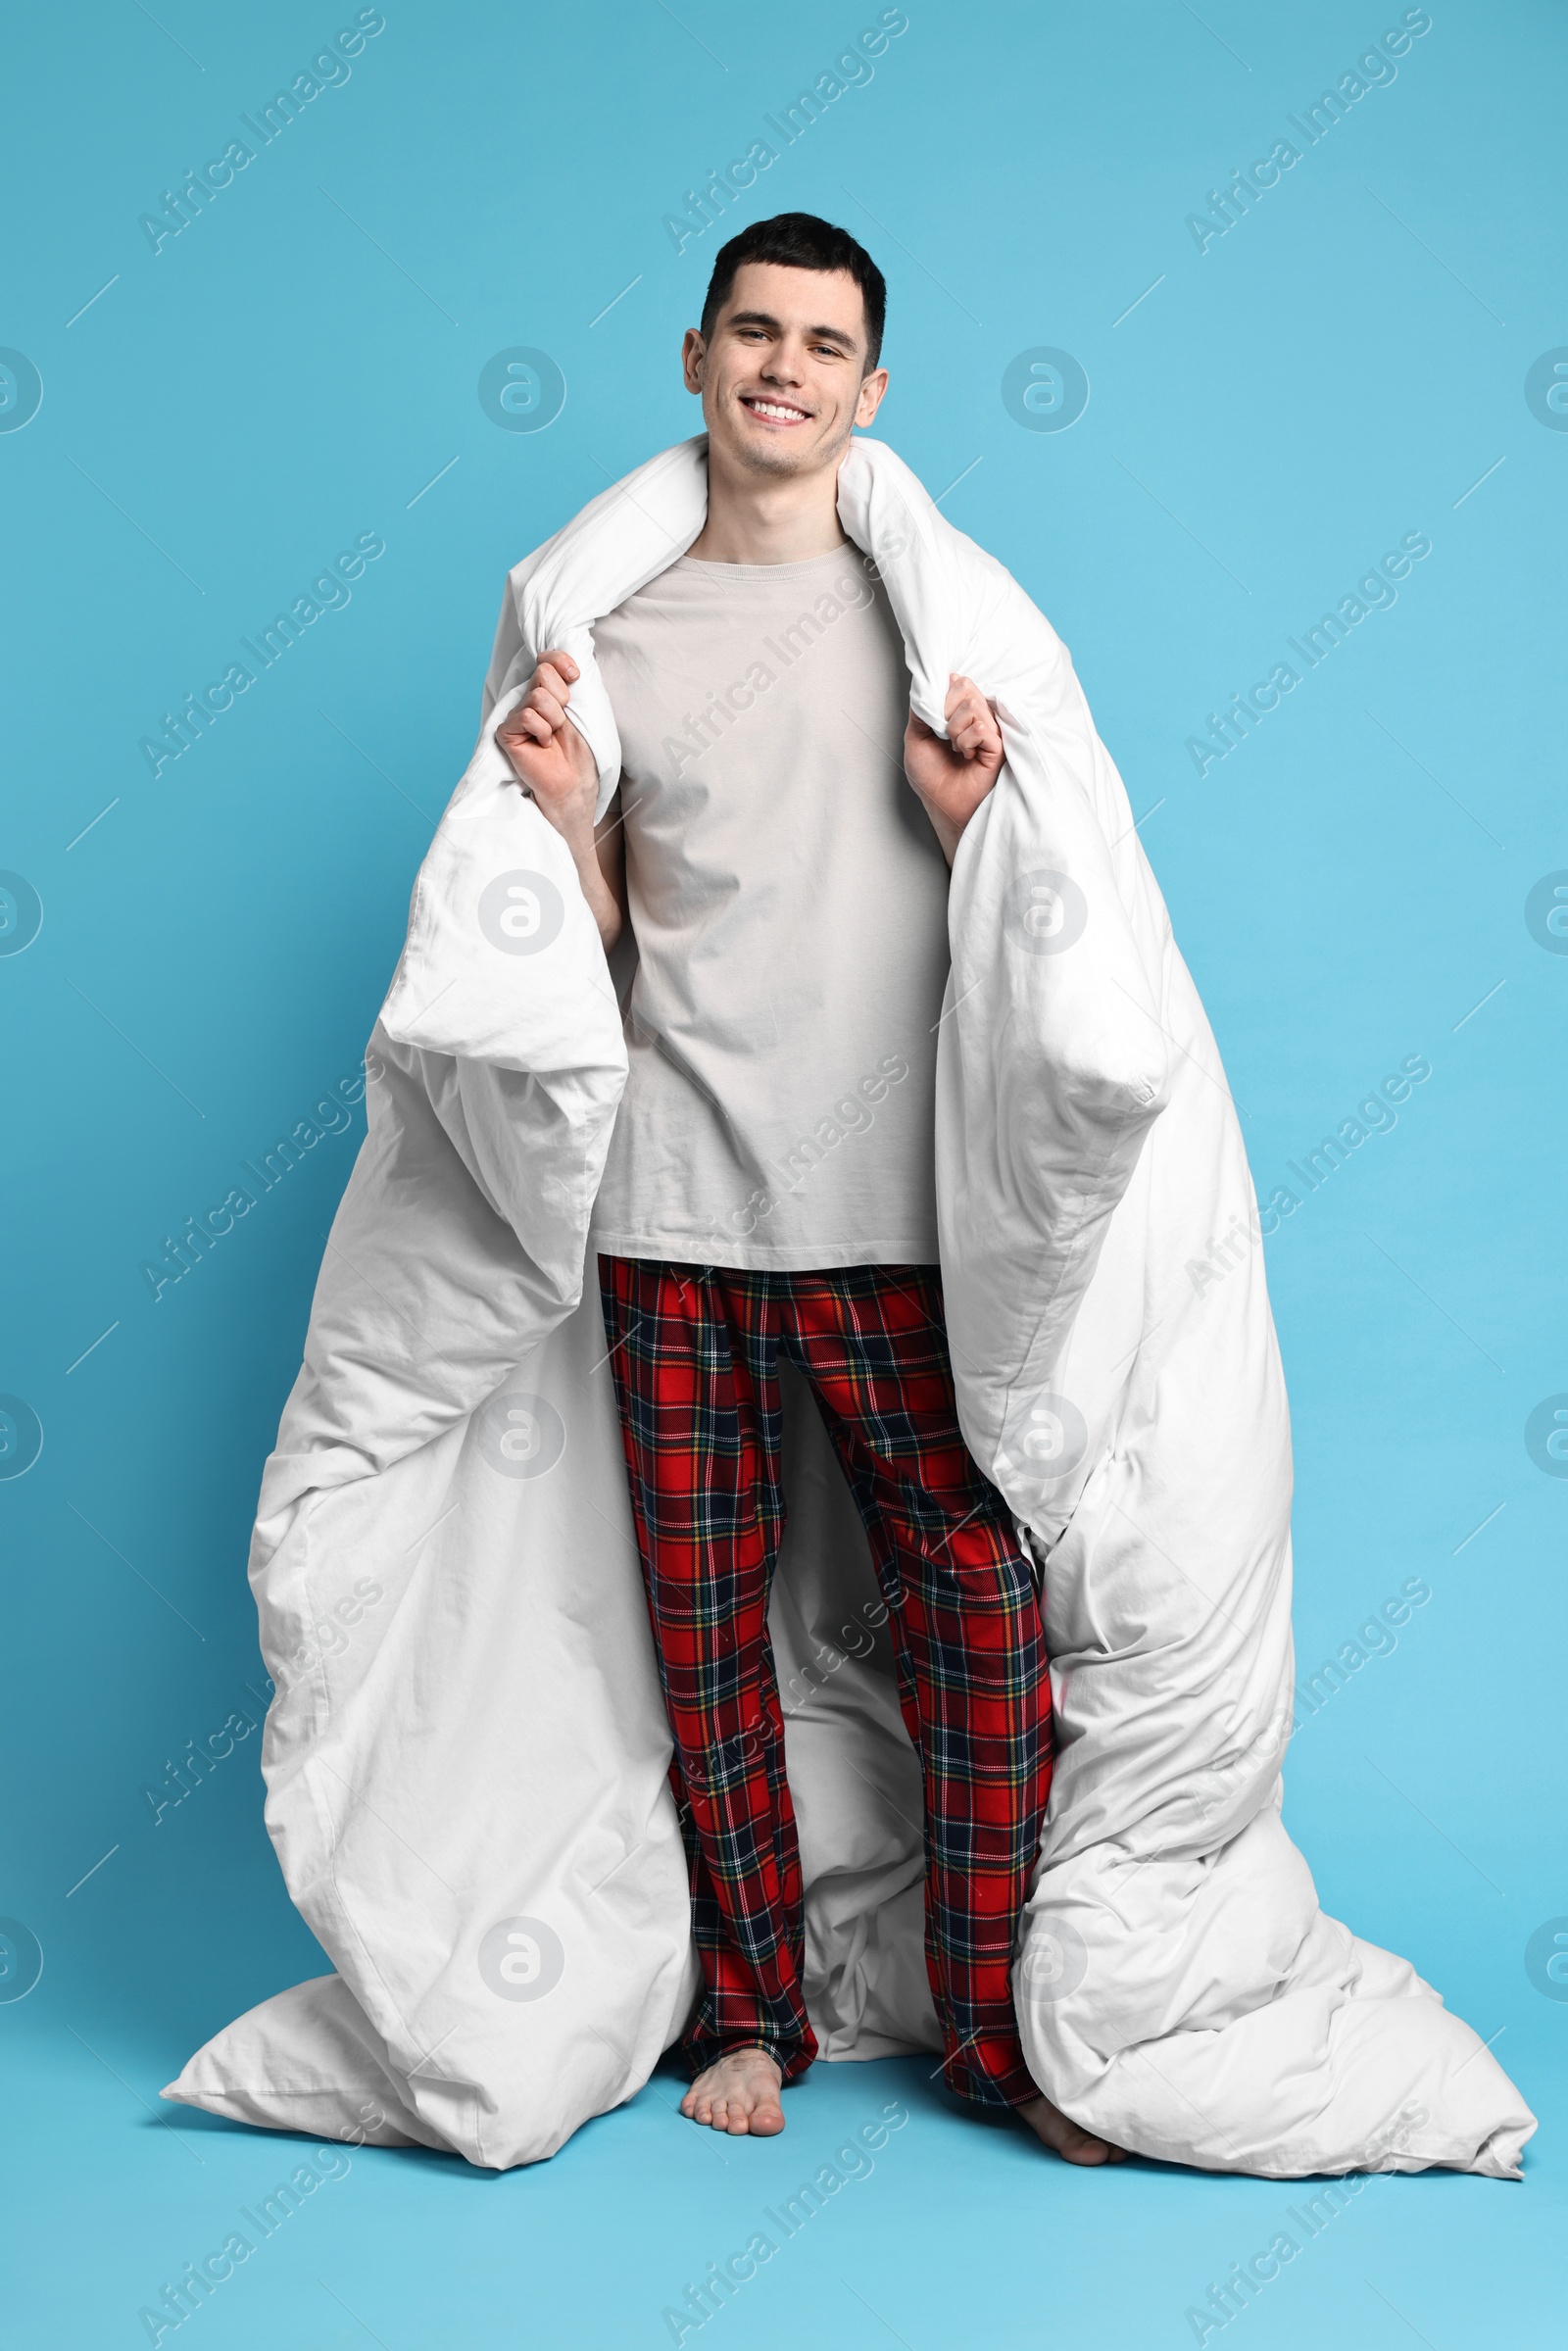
[{"x": 695, "y": 1351}]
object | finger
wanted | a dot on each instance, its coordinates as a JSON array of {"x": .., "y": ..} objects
[
  {"x": 530, "y": 726},
  {"x": 547, "y": 706},
  {"x": 564, "y": 662},
  {"x": 553, "y": 680},
  {"x": 977, "y": 729},
  {"x": 965, "y": 701}
]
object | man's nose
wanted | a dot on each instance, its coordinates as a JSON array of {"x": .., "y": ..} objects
[{"x": 786, "y": 365}]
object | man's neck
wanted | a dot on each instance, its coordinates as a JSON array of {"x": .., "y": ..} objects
[{"x": 769, "y": 520}]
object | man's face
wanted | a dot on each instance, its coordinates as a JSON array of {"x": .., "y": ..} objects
[{"x": 781, "y": 375}]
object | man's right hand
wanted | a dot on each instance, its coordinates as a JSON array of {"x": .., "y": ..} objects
[
  {"x": 545, "y": 751},
  {"x": 554, "y": 764}
]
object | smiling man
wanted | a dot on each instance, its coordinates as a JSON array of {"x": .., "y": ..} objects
[{"x": 779, "y": 849}]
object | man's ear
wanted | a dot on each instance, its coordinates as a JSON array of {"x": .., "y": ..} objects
[
  {"x": 871, "y": 400},
  {"x": 693, "y": 352}
]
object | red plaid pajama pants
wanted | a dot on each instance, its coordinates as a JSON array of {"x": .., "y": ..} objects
[{"x": 694, "y": 1354}]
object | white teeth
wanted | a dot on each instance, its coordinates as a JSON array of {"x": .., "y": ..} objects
[{"x": 768, "y": 407}]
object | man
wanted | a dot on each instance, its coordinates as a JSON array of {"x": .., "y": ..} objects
[{"x": 770, "y": 1184}]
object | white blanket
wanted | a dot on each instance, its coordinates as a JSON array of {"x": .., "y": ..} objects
[{"x": 466, "y": 1758}]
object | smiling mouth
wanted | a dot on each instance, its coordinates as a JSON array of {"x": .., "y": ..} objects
[{"x": 773, "y": 412}]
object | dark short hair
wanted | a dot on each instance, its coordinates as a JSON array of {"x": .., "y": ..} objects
[{"x": 800, "y": 241}]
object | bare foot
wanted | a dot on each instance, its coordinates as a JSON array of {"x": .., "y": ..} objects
[
  {"x": 1064, "y": 2138},
  {"x": 740, "y": 2094}
]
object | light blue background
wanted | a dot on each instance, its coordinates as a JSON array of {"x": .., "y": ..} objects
[{"x": 293, "y": 369}]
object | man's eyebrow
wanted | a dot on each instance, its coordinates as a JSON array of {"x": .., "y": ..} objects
[{"x": 820, "y": 334}]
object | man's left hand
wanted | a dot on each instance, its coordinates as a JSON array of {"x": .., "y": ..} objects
[{"x": 952, "y": 778}]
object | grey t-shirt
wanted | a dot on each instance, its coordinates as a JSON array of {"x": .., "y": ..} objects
[{"x": 789, "y": 901}]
